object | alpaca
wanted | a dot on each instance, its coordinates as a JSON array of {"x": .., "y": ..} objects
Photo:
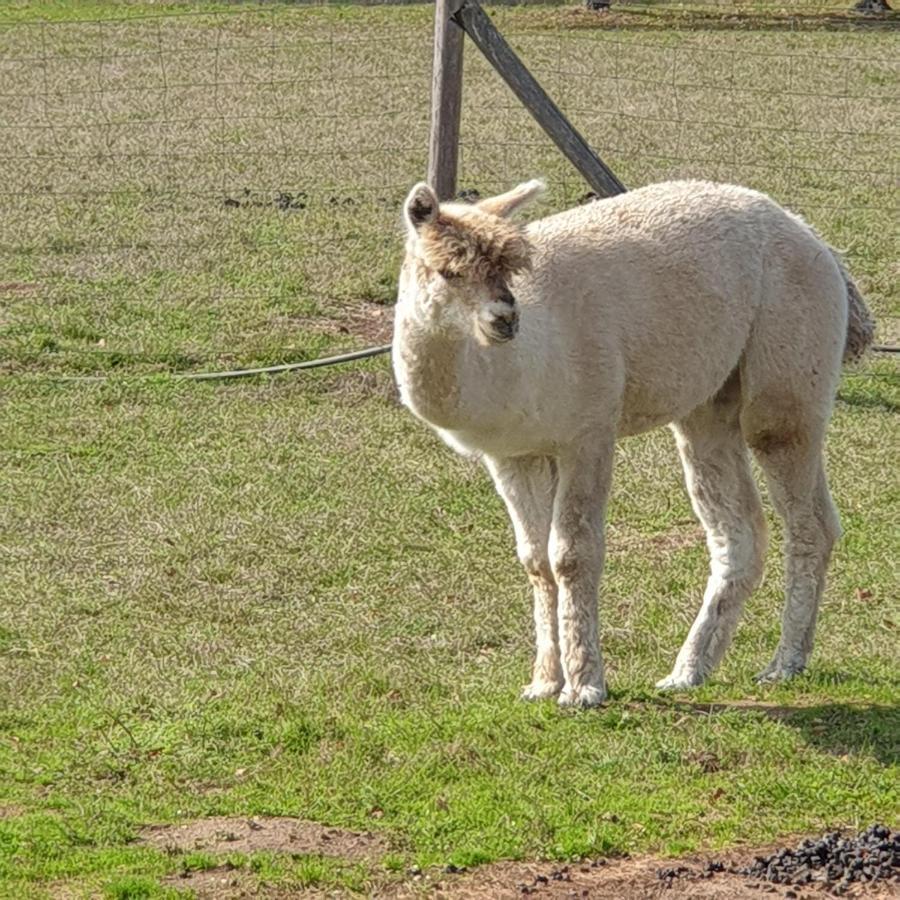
[{"x": 706, "y": 307}]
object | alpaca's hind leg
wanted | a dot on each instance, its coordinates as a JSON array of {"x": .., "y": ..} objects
[
  {"x": 576, "y": 555},
  {"x": 725, "y": 499},
  {"x": 796, "y": 476},
  {"x": 527, "y": 485}
]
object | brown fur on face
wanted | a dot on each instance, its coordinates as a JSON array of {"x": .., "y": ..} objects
[{"x": 476, "y": 246}]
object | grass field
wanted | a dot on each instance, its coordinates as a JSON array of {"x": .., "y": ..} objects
[{"x": 284, "y": 596}]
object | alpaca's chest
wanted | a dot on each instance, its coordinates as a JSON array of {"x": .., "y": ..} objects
[
  {"x": 500, "y": 444},
  {"x": 476, "y": 423},
  {"x": 505, "y": 429}
]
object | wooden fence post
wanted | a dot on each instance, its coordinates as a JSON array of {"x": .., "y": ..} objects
[
  {"x": 446, "y": 99},
  {"x": 501, "y": 56}
]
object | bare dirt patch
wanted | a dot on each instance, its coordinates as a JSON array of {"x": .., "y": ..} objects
[
  {"x": 221, "y": 883},
  {"x": 372, "y": 323},
  {"x": 11, "y": 811},
  {"x": 225, "y": 834}
]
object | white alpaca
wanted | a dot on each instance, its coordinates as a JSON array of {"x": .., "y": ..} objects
[{"x": 705, "y": 306}]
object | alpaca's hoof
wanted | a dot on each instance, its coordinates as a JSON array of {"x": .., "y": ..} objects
[
  {"x": 541, "y": 690},
  {"x": 681, "y": 681},
  {"x": 778, "y": 670},
  {"x": 583, "y": 697}
]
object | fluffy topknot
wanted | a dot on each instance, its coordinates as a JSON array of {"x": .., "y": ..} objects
[{"x": 474, "y": 245}]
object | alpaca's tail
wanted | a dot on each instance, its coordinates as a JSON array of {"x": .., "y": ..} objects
[{"x": 860, "y": 324}]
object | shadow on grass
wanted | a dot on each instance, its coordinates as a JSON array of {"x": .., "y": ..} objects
[
  {"x": 666, "y": 17},
  {"x": 835, "y": 728}
]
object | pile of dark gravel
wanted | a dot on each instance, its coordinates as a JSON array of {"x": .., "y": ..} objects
[{"x": 835, "y": 861}]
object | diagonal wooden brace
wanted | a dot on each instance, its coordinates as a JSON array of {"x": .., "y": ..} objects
[{"x": 452, "y": 17}]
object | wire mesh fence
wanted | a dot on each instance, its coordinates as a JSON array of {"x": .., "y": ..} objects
[{"x": 213, "y": 188}]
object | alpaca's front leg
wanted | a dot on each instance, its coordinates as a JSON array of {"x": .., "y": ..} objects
[
  {"x": 528, "y": 485},
  {"x": 576, "y": 555}
]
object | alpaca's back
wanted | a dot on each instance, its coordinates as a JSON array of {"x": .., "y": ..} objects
[{"x": 672, "y": 287}]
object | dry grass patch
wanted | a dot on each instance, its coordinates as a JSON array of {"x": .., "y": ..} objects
[{"x": 680, "y": 536}]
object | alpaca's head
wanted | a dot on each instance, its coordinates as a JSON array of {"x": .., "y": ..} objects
[{"x": 460, "y": 259}]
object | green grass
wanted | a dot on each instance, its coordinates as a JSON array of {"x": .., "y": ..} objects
[
  {"x": 281, "y": 598},
  {"x": 286, "y": 596}
]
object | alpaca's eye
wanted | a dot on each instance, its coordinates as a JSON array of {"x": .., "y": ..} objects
[{"x": 450, "y": 276}]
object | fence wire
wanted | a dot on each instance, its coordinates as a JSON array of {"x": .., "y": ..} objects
[{"x": 204, "y": 189}]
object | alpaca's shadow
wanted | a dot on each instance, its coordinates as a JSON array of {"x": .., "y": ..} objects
[{"x": 835, "y": 728}]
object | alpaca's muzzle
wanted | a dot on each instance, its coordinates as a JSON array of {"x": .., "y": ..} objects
[{"x": 498, "y": 320}]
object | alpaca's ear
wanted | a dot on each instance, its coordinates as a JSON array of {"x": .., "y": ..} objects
[
  {"x": 506, "y": 204},
  {"x": 421, "y": 206}
]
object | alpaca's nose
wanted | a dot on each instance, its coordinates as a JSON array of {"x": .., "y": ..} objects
[{"x": 504, "y": 328}]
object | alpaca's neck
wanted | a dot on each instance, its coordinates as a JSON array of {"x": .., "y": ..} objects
[{"x": 430, "y": 363}]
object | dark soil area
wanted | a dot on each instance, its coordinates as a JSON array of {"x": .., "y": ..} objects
[{"x": 865, "y": 865}]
